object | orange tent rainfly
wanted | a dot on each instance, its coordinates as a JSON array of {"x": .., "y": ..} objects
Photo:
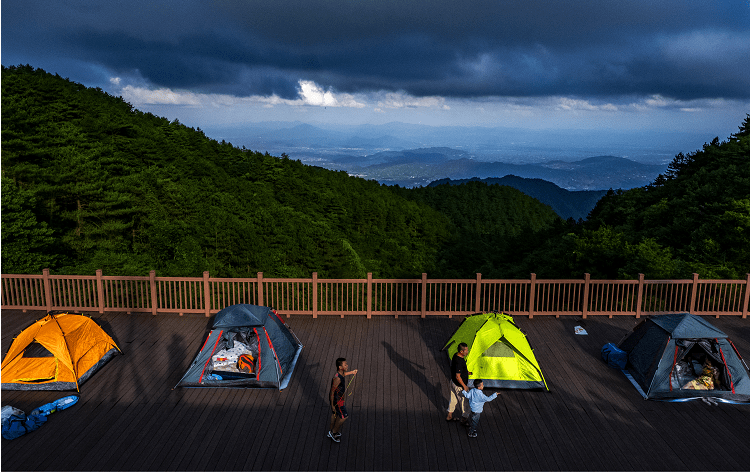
[{"x": 58, "y": 352}]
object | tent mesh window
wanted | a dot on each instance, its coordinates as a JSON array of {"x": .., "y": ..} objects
[
  {"x": 499, "y": 349},
  {"x": 36, "y": 350},
  {"x": 690, "y": 365},
  {"x": 645, "y": 360},
  {"x": 232, "y": 345}
]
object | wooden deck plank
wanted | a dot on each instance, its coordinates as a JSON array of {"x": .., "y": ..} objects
[
  {"x": 128, "y": 418},
  {"x": 379, "y": 394},
  {"x": 316, "y": 372},
  {"x": 421, "y": 392},
  {"x": 251, "y": 416},
  {"x": 350, "y": 348},
  {"x": 268, "y": 461},
  {"x": 355, "y": 390},
  {"x": 297, "y": 404},
  {"x": 356, "y": 394},
  {"x": 308, "y": 382},
  {"x": 401, "y": 391},
  {"x": 198, "y": 439},
  {"x": 653, "y": 447},
  {"x": 565, "y": 406},
  {"x": 168, "y": 433},
  {"x": 171, "y": 357},
  {"x": 440, "y": 370},
  {"x": 319, "y": 448},
  {"x": 430, "y": 402},
  {"x": 367, "y": 397},
  {"x": 394, "y": 398},
  {"x": 576, "y": 401},
  {"x": 357, "y": 429},
  {"x": 589, "y": 366}
]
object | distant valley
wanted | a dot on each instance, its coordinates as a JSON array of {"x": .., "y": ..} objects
[
  {"x": 412, "y": 155},
  {"x": 419, "y": 167}
]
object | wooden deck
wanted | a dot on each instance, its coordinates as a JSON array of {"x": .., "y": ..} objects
[{"x": 129, "y": 418}]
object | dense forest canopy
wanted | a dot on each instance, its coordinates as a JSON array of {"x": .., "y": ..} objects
[
  {"x": 89, "y": 182},
  {"x": 695, "y": 218}
]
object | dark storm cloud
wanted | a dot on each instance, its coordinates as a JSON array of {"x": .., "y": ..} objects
[{"x": 682, "y": 49}]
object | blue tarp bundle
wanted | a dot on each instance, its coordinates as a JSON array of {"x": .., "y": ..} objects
[{"x": 16, "y": 423}]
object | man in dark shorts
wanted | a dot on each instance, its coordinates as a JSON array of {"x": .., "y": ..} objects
[
  {"x": 337, "y": 397},
  {"x": 459, "y": 384}
]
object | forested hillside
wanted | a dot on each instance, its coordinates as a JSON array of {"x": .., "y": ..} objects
[
  {"x": 493, "y": 226},
  {"x": 90, "y": 183},
  {"x": 695, "y": 218},
  {"x": 574, "y": 204}
]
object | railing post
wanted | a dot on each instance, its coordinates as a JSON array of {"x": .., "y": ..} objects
[
  {"x": 154, "y": 298},
  {"x": 532, "y": 295},
  {"x": 747, "y": 296},
  {"x": 478, "y": 294},
  {"x": 586, "y": 282},
  {"x": 315, "y": 294},
  {"x": 47, "y": 289},
  {"x": 424, "y": 294},
  {"x": 206, "y": 294},
  {"x": 694, "y": 294},
  {"x": 100, "y": 290},
  {"x": 260, "y": 289},
  {"x": 369, "y": 295},
  {"x": 638, "y": 303}
]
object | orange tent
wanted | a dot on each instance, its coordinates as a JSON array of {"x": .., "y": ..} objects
[{"x": 58, "y": 352}]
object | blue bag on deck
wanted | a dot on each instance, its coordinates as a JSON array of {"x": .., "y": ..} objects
[
  {"x": 614, "y": 356},
  {"x": 16, "y": 423}
]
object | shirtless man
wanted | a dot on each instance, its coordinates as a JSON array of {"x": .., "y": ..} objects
[{"x": 337, "y": 397}]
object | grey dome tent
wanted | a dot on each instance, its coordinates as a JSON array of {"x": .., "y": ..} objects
[
  {"x": 248, "y": 346},
  {"x": 666, "y": 352}
]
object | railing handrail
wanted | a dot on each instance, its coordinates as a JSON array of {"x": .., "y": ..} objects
[{"x": 401, "y": 296}]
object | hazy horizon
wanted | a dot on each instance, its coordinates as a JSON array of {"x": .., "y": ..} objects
[{"x": 488, "y": 144}]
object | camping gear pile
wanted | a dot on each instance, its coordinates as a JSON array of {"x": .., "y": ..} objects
[
  {"x": 16, "y": 423},
  {"x": 237, "y": 356},
  {"x": 499, "y": 352},
  {"x": 59, "y": 352},
  {"x": 248, "y": 346},
  {"x": 677, "y": 357}
]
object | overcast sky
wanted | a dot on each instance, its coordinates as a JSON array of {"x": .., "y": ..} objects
[{"x": 619, "y": 64}]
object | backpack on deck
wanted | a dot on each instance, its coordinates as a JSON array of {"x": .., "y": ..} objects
[{"x": 614, "y": 356}]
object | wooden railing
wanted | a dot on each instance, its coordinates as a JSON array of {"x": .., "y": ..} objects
[{"x": 395, "y": 297}]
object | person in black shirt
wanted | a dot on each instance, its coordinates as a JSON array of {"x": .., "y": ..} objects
[{"x": 459, "y": 384}]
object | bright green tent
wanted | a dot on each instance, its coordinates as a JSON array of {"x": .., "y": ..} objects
[{"x": 499, "y": 352}]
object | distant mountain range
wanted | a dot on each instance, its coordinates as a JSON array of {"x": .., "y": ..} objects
[
  {"x": 566, "y": 203},
  {"x": 412, "y": 155},
  {"x": 419, "y": 167},
  {"x": 305, "y": 141}
]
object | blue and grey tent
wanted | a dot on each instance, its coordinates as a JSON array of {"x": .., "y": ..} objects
[
  {"x": 667, "y": 354},
  {"x": 248, "y": 346}
]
